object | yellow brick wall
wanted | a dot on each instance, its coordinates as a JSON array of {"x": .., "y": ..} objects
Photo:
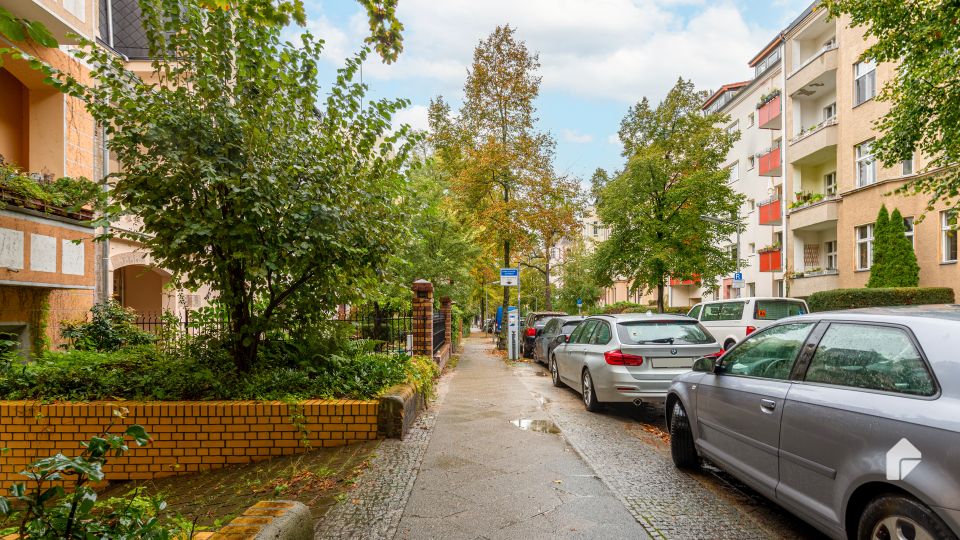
[{"x": 188, "y": 436}]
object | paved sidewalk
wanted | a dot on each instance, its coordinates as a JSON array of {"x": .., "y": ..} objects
[{"x": 484, "y": 477}]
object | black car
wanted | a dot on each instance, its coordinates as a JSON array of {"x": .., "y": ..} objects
[
  {"x": 555, "y": 332},
  {"x": 532, "y": 324}
]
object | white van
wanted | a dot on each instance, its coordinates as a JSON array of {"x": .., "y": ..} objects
[{"x": 729, "y": 321}]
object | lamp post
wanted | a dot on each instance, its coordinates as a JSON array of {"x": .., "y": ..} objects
[{"x": 714, "y": 219}]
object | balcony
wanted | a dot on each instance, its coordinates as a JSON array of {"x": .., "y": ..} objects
[
  {"x": 804, "y": 284},
  {"x": 769, "y": 161},
  {"x": 814, "y": 144},
  {"x": 819, "y": 64},
  {"x": 770, "y": 260},
  {"x": 769, "y": 212},
  {"x": 815, "y": 215},
  {"x": 768, "y": 114}
]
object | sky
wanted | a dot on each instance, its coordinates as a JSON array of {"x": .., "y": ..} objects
[{"x": 597, "y": 57}]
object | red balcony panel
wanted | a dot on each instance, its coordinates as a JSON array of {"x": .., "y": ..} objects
[
  {"x": 769, "y": 114},
  {"x": 770, "y": 213},
  {"x": 770, "y": 261},
  {"x": 770, "y": 163}
]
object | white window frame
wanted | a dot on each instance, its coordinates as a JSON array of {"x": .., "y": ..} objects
[
  {"x": 830, "y": 184},
  {"x": 863, "y": 153},
  {"x": 864, "y": 243},
  {"x": 947, "y": 236},
  {"x": 830, "y": 255},
  {"x": 865, "y": 82}
]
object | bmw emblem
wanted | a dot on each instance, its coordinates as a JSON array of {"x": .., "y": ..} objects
[{"x": 673, "y": 352}]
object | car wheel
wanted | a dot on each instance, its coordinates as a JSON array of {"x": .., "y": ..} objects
[
  {"x": 897, "y": 517},
  {"x": 589, "y": 393},
  {"x": 555, "y": 373},
  {"x": 682, "y": 449}
]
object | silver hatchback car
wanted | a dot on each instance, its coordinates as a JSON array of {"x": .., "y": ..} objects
[
  {"x": 628, "y": 357},
  {"x": 850, "y": 420}
]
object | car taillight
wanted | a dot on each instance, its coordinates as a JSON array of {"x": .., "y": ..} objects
[
  {"x": 531, "y": 332},
  {"x": 751, "y": 329},
  {"x": 620, "y": 358}
]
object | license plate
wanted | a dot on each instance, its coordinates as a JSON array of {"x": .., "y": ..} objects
[{"x": 671, "y": 362}]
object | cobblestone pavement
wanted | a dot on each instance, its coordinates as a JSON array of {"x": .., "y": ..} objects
[
  {"x": 372, "y": 510},
  {"x": 632, "y": 457}
]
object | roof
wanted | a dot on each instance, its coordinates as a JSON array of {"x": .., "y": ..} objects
[{"x": 725, "y": 88}]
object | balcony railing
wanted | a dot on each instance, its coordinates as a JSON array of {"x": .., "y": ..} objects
[
  {"x": 770, "y": 212},
  {"x": 770, "y": 260},
  {"x": 769, "y": 114},
  {"x": 770, "y": 161}
]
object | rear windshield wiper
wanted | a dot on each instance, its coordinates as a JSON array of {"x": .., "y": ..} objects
[{"x": 661, "y": 340}]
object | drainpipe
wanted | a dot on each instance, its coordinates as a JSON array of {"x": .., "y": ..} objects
[{"x": 783, "y": 165}]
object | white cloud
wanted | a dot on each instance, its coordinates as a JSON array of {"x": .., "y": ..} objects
[
  {"x": 415, "y": 116},
  {"x": 574, "y": 136},
  {"x": 608, "y": 49}
]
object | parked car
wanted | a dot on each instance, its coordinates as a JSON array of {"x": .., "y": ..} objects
[
  {"x": 628, "y": 357},
  {"x": 554, "y": 333},
  {"x": 532, "y": 324},
  {"x": 847, "y": 419},
  {"x": 729, "y": 321}
]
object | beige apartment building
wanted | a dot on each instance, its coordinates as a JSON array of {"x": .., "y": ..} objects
[
  {"x": 43, "y": 270},
  {"x": 830, "y": 187}
]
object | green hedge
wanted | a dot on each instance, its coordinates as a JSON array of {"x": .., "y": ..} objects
[{"x": 860, "y": 298}]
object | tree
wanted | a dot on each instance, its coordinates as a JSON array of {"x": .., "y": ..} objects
[
  {"x": 551, "y": 214},
  {"x": 673, "y": 175},
  {"x": 491, "y": 148},
  {"x": 239, "y": 175},
  {"x": 894, "y": 261},
  {"x": 922, "y": 38},
  {"x": 578, "y": 280}
]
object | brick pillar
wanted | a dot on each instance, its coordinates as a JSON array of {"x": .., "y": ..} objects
[
  {"x": 422, "y": 317},
  {"x": 446, "y": 307}
]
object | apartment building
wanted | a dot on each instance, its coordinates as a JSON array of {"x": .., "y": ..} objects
[
  {"x": 50, "y": 268},
  {"x": 826, "y": 192}
]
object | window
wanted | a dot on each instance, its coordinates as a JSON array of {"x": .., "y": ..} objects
[
  {"x": 947, "y": 222},
  {"x": 830, "y": 183},
  {"x": 872, "y": 357},
  {"x": 864, "y": 247},
  {"x": 774, "y": 310},
  {"x": 751, "y": 163},
  {"x": 908, "y": 230},
  {"x": 723, "y": 311},
  {"x": 830, "y": 112},
  {"x": 735, "y": 171},
  {"x": 601, "y": 336},
  {"x": 582, "y": 332},
  {"x": 907, "y": 165},
  {"x": 769, "y": 354},
  {"x": 695, "y": 312},
  {"x": 866, "y": 166},
  {"x": 830, "y": 248},
  {"x": 750, "y": 120},
  {"x": 673, "y": 332},
  {"x": 865, "y": 83}
]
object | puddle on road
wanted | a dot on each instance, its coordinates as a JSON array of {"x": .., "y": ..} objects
[{"x": 529, "y": 424}]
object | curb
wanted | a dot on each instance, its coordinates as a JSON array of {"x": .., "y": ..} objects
[
  {"x": 399, "y": 407},
  {"x": 267, "y": 520}
]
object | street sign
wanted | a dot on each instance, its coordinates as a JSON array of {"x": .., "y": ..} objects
[
  {"x": 737, "y": 280},
  {"x": 509, "y": 277}
]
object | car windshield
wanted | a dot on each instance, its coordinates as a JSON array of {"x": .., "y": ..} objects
[
  {"x": 670, "y": 332},
  {"x": 773, "y": 310}
]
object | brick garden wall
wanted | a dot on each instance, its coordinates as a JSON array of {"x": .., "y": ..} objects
[{"x": 189, "y": 436}]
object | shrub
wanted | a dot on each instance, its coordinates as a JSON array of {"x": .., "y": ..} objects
[
  {"x": 897, "y": 296},
  {"x": 111, "y": 328}
]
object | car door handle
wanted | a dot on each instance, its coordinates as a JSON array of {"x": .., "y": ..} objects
[{"x": 768, "y": 404}]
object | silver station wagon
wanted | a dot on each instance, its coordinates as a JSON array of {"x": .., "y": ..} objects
[
  {"x": 629, "y": 357},
  {"x": 850, "y": 420}
]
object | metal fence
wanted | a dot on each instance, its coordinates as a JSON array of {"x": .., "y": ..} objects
[{"x": 439, "y": 330}]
